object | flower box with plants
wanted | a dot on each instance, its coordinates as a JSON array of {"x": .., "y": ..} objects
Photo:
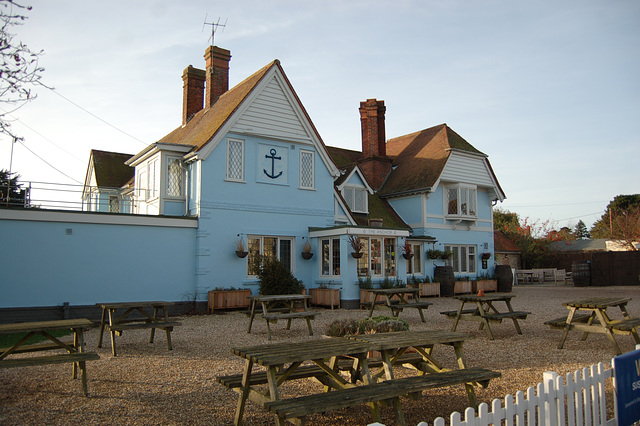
[
  {"x": 427, "y": 288},
  {"x": 231, "y": 298},
  {"x": 463, "y": 285},
  {"x": 325, "y": 296},
  {"x": 485, "y": 282}
]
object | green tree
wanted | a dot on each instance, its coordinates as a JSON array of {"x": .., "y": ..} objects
[
  {"x": 19, "y": 68},
  {"x": 11, "y": 192},
  {"x": 502, "y": 219},
  {"x": 581, "y": 231},
  {"x": 621, "y": 221}
]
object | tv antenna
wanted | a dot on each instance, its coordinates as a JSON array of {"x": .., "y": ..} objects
[{"x": 214, "y": 26}]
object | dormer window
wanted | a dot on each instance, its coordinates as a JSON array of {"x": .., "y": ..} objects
[
  {"x": 461, "y": 201},
  {"x": 356, "y": 198}
]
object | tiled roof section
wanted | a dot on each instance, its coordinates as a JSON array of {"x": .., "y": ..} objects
[
  {"x": 502, "y": 243},
  {"x": 380, "y": 209},
  {"x": 207, "y": 122},
  {"x": 419, "y": 158},
  {"x": 598, "y": 244},
  {"x": 344, "y": 157},
  {"x": 110, "y": 170}
]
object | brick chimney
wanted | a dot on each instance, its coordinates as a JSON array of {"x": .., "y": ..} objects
[
  {"x": 217, "y": 60},
  {"x": 375, "y": 164},
  {"x": 192, "y": 92}
]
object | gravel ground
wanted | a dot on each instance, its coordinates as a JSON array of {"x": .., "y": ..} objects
[{"x": 147, "y": 384}]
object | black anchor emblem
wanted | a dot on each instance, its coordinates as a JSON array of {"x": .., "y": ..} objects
[{"x": 273, "y": 160}]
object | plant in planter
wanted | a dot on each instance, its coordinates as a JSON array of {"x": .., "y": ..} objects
[
  {"x": 365, "y": 283},
  {"x": 445, "y": 255},
  {"x": 241, "y": 250},
  {"x": 276, "y": 279},
  {"x": 434, "y": 254},
  {"x": 486, "y": 256},
  {"x": 406, "y": 250},
  {"x": 306, "y": 251},
  {"x": 356, "y": 245}
]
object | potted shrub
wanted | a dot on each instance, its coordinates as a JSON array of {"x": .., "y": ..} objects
[
  {"x": 356, "y": 245},
  {"x": 306, "y": 251},
  {"x": 462, "y": 286},
  {"x": 434, "y": 254},
  {"x": 241, "y": 250},
  {"x": 325, "y": 296},
  {"x": 428, "y": 288},
  {"x": 276, "y": 279},
  {"x": 228, "y": 298},
  {"x": 485, "y": 282}
]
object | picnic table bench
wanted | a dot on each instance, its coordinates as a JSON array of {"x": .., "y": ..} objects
[
  {"x": 396, "y": 299},
  {"x": 281, "y": 306},
  {"x": 117, "y": 324},
  {"x": 485, "y": 311},
  {"x": 75, "y": 352},
  {"x": 591, "y": 316}
]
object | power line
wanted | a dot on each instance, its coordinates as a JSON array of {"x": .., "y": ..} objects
[
  {"x": 49, "y": 164},
  {"x": 92, "y": 114}
]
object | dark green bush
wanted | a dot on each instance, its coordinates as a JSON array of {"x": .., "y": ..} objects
[
  {"x": 276, "y": 279},
  {"x": 377, "y": 324}
]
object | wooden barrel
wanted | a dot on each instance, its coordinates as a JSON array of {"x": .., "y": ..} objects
[
  {"x": 444, "y": 275},
  {"x": 581, "y": 273},
  {"x": 504, "y": 276}
]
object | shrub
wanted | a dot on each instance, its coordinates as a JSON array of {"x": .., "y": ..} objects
[
  {"x": 365, "y": 283},
  {"x": 276, "y": 279},
  {"x": 377, "y": 324}
]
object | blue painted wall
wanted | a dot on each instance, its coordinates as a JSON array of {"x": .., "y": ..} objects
[{"x": 56, "y": 260}]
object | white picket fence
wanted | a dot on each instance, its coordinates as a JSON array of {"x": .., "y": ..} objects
[{"x": 579, "y": 399}]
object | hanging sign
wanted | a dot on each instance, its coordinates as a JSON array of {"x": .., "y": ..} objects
[{"x": 627, "y": 371}]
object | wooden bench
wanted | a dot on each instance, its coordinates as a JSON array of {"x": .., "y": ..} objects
[
  {"x": 142, "y": 325},
  {"x": 561, "y": 322},
  {"x": 455, "y": 313},
  {"x": 300, "y": 407},
  {"x": 307, "y": 315},
  {"x": 625, "y": 324},
  {"x": 397, "y": 308},
  {"x": 506, "y": 315},
  {"x": 36, "y": 347},
  {"x": 234, "y": 381}
]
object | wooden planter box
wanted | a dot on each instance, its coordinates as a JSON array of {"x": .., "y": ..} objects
[
  {"x": 325, "y": 297},
  {"x": 228, "y": 299},
  {"x": 462, "y": 287},
  {"x": 486, "y": 285},
  {"x": 429, "y": 289}
]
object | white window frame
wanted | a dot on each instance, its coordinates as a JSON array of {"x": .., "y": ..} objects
[
  {"x": 467, "y": 197},
  {"x": 153, "y": 191},
  {"x": 252, "y": 255},
  {"x": 463, "y": 259},
  {"x": 414, "y": 264},
  {"x": 333, "y": 246},
  {"x": 242, "y": 159},
  {"x": 170, "y": 161},
  {"x": 312, "y": 172},
  {"x": 349, "y": 194},
  {"x": 387, "y": 246}
]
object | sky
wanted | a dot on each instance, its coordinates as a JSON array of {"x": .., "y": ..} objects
[{"x": 549, "y": 90}]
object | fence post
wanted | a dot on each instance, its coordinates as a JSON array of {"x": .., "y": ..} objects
[{"x": 550, "y": 407}]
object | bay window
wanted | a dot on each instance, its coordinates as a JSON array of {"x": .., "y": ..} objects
[{"x": 461, "y": 201}]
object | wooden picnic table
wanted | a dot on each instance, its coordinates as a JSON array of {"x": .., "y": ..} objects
[
  {"x": 75, "y": 352},
  {"x": 322, "y": 360},
  {"x": 136, "y": 315},
  {"x": 398, "y": 299},
  {"x": 485, "y": 311},
  {"x": 281, "y": 306},
  {"x": 590, "y": 316}
]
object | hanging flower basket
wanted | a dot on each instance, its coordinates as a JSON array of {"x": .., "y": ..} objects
[
  {"x": 357, "y": 255},
  {"x": 407, "y": 256},
  {"x": 486, "y": 256},
  {"x": 307, "y": 255},
  {"x": 241, "y": 254}
]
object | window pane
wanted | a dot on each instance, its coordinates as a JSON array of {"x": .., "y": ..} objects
[
  {"x": 285, "y": 253},
  {"x": 347, "y": 193},
  {"x": 253, "y": 260},
  {"x": 389, "y": 257},
  {"x": 235, "y": 160},
  {"x": 306, "y": 169},
  {"x": 464, "y": 196},
  {"x": 336, "y": 256},
  {"x": 174, "y": 179},
  {"x": 472, "y": 202},
  {"x": 376, "y": 256},
  {"x": 417, "y": 258},
  {"x": 452, "y": 197},
  {"x": 363, "y": 262},
  {"x": 358, "y": 202},
  {"x": 472, "y": 258},
  {"x": 325, "y": 257},
  {"x": 463, "y": 259}
]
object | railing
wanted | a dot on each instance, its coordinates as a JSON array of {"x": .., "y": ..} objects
[{"x": 577, "y": 400}]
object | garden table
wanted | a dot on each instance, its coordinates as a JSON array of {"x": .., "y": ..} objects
[
  {"x": 485, "y": 311},
  {"x": 281, "y": 306},
  {"x": 590, "y": 316},
  {"x": 398, "y": 299},
  {"x": 75, "y": 352},
  {"x": 127, "y": 321}
]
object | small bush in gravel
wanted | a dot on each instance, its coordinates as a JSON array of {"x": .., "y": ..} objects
[
  {"x": 377, "y": 324},
  {"x": 276, "y": 279}
]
